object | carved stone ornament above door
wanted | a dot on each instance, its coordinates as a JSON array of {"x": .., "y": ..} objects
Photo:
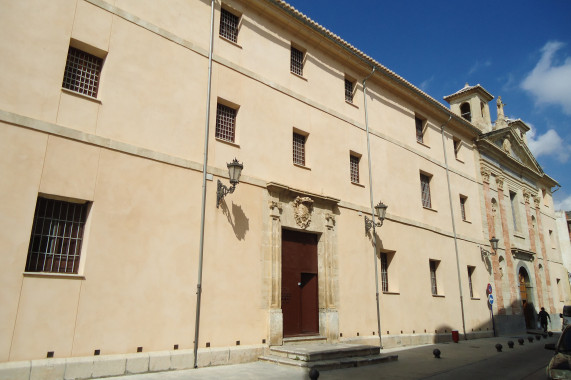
[{"x": 302, "y": 211}]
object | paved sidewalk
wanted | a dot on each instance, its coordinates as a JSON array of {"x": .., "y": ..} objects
[{"x": 414, "y": 363}]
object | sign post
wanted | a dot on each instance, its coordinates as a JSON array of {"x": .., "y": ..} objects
[{"x": 491, "y": 305}]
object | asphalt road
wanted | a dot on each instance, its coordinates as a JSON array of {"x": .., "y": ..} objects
[{"x": 472, "y": 359}]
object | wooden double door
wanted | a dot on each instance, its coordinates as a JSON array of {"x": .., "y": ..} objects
[{"x": 300, "y": 306}]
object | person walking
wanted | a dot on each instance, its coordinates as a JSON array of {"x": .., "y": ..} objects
[{"x": 543, "y": 316}]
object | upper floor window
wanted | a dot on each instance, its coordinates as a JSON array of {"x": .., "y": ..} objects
[
  {"x": 349, "y": 90},
  {"x": 433, "y": 283},
  {"x": 82, "y": 72},
  {"x": 225, "y": 123},
  {"x": 296, "y": 61},
  {"x": 463, "y": 201},
  {"x": 465, "y": 111},
  {"x": 354, "y": 167},
  {"x": 457, "y": 144},
  {"x": 470, "y": 275},
  {"x": 57, "y": 234},
  {"x": 384, "y": 272},
  {"x": 513, "y": 202},
  {"x": 419, "y": 129},
  {"x": 425, "y": 190},
  {"x": 229, "y": 25},
  {"x": 298, "y": 149}
]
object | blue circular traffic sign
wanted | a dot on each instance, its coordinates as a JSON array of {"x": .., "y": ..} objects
[
  {"x": 491, "y": 299},
  {"x": 489, "y": 289}
]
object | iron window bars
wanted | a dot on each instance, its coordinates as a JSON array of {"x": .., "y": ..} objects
[
  {"x": 425, "y": 190},
  {"x": 354, "y": 165},
  {"x": 57, "y": 234},
  {"x": 348, "y": 90},
  {"x": 82, "y": 72},
  {"x": 225, "y": 122},
  {"x": 296, "y": 62},
  {"x": 298, "y": 149},
  {"x": 229, "y": 25}
]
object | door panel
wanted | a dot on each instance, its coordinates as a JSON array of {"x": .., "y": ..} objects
[{"x": 299, "y": 283}]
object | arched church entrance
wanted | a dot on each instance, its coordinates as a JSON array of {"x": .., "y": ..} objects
[{"x": 526, "y": 293}]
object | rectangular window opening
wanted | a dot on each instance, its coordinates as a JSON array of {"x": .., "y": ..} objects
[
  {"x": 433, "y": 268},
  {"x": 349, "y": 90},
  {"x": 470, "y": 274},
  {"x": 457, "y": 146},
  {"x": 298, "y": 149},
  {"x": 384, "y": 272},
  {"x": 354, "y": 167},
  {"x": 463, "y": 200},
  {"x": 82, "y": 72},
  {"x": 513, "y": 202},
  {"x": 229, "y": 25},
  {"x": 419, "y": 129},
  {"x": 425, "y": 190},
  {"x": 225, "y": 123},
  {"x": 296, "y": 61},
  {"x": 57, "y": 235}
]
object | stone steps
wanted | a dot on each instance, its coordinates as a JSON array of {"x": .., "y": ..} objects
[{"x": 323, "y": 356}]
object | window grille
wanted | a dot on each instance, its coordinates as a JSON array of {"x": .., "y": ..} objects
[
  {"x": 425, "y": 190},
  {"x": 229, "y": 25},
  {"x": 82, "y": 72},
  {"x": 470, "y": 272},
  {"x": 354, "y": 163},
  {"x": 296, "y": 63},
  {"x": 298, "y": 149},
  {"x": 384, "y": 272},
  {"x": 456, "y": 143},
  {"x": 419, "y": 130},
  {"x": 348, "y": 91},
  {"x": 57, "y": 233},
  {"x": 463, "y": 207},
  {"x": 225, "y": 122},
  {"x": 433, "y": 277}
]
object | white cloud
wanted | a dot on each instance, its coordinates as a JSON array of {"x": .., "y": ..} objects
[
  {"x": 564, "y": 204},
  {"x": 478, "y": 65},
  {"x": 548, "y": 144},
  {"x": 549, "y": 83},
  {"x": 424, "y": 85}
]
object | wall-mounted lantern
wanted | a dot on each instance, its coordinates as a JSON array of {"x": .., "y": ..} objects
[
  {"x": 234, "y": 172},
  {"x": 380, "y": 211}
]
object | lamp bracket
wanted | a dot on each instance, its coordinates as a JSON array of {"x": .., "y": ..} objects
[
  {"x": 369, "y": 224},
  {"x": 221, "y": 191}
]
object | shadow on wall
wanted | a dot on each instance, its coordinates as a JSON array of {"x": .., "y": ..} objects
[{"x": 237, "y": 219}]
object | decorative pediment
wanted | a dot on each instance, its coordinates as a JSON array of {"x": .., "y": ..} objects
[
  {"x": 522, "y": 254},
  {"x": 507, "y": 145}
]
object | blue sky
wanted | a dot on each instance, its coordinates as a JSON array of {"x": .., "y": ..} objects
[{"x": 519, "y": 50}]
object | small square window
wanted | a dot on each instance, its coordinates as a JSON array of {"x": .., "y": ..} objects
[
  {"x": 57, "y": 235},
  {"x": 82, "y": 72},
  {"x": 433, "y": 277},
  {"x": 296, "y": 62},
  {"x": 463, "y": 200},
  {"x": 419, "y": 123},
  {"x": 354, "y": 167},
  {"x": 425, "y": 190},
  {"x": 225, "y": 123},
  {"x": 349, "y": 90},
  {"x": 457, "y": 145},
  {"x": 470, "y": 275},
  {"x": 298, "y": 149},
  {"x": 229, "y": 25}
]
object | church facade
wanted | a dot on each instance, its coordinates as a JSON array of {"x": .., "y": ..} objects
[{"x": 119, "y": 120}]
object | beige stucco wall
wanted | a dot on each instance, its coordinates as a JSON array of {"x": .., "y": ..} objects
[{"x": 136, "y": 152}]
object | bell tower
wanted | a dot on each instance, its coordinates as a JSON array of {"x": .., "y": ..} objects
[{"x": 471, "y": 103}]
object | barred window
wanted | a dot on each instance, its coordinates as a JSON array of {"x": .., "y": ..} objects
[
  {"x": 419, "y": 130},
  {"x": 296, "y": 62},
  {"x": 433, "y": 267},
  {"x": 229, "y": 25},
  {"x": 463, "y": 206},
  {"x": 425, "y": 190},
  {"x": 82, "y": 72},
  {"x": 384, "y": 272},
  {"x": 354, "y": 167},
  {"x": 57, "y": 234},
  {"x": 457, "y": 146},
  {"x": 470, "y": 273},
  {"x": 349, "y": 86},
  {"x": 298, "y": 149},
  {"x": 225, "y": 122}
]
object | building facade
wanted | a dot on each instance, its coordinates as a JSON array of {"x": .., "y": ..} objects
[{"x": 107, "y": 237}]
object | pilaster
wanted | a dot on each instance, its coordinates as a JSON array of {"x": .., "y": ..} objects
[{"x": 544, "y": 254}]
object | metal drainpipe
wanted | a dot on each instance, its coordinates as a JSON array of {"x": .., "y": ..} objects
[
  {"x": 204, "y": 167},
  {"x": 372, "y": 207},
  {"x": 453, "y": 227}
]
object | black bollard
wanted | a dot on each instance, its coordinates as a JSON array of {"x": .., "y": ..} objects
[
  {"x": 520, "y": 341},
  {"x": 550, "y": 333},
  {"x": 510, "y": 344},
  {"x": 436, "y": 353},
  {"x": 499, "y": 347},
  {"x": 530, "y": 339},
  {"x": 538, "y": 337},
  {"x": 313, "y": 374}
]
